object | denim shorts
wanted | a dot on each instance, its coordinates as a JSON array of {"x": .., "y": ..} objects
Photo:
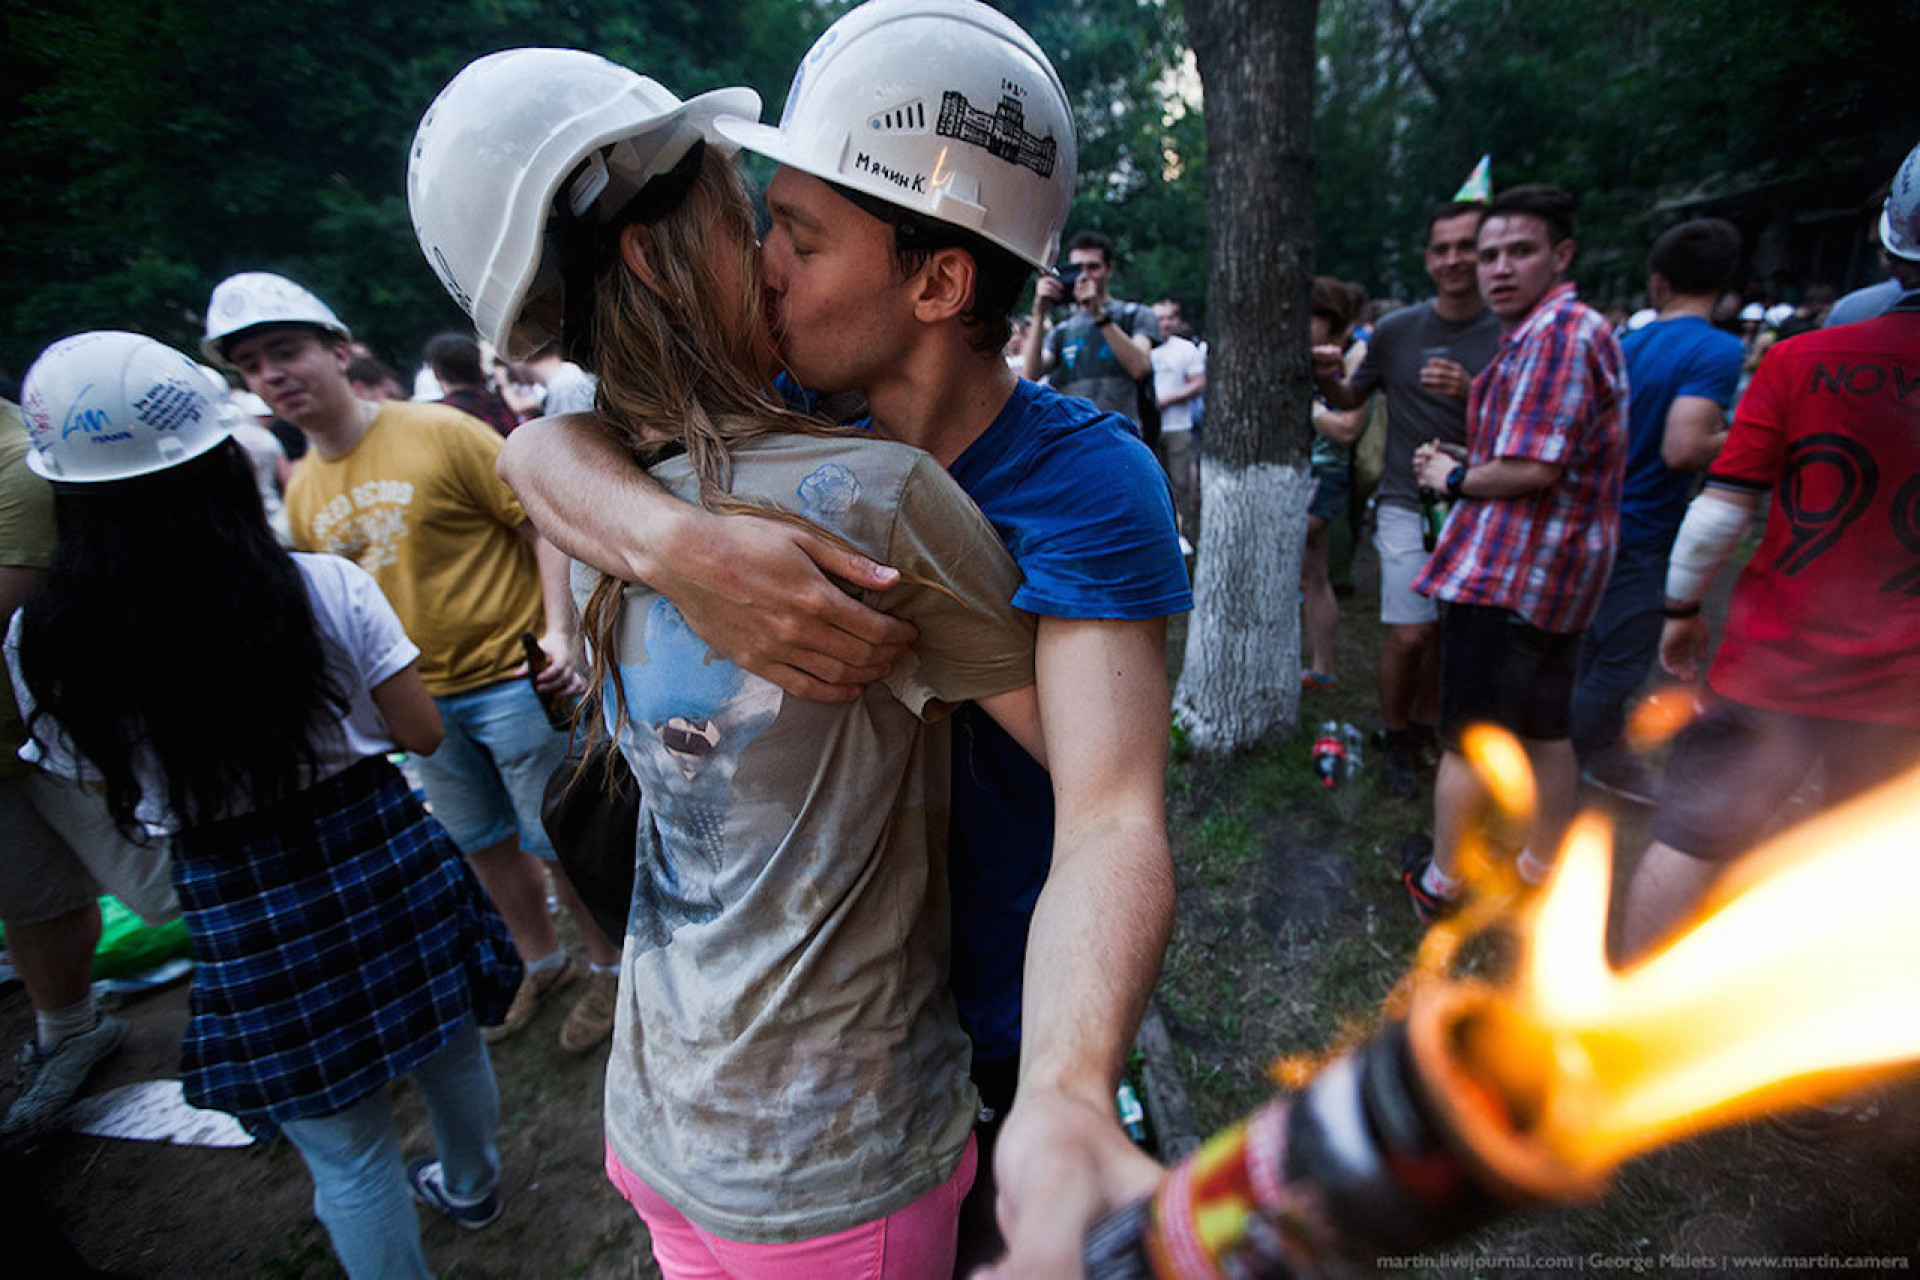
[{"x": 485, "y": 782}]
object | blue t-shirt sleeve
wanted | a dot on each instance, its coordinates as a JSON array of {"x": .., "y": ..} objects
[
  {"x": 1714, "y": 373},
  {"x": 1096, "y": 537}
]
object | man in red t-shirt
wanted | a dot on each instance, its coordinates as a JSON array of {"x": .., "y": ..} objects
[{"x": 1819, "y": 661}]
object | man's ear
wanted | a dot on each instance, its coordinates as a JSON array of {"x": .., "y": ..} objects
[
  {"x": 1563, "y": 256},
  {"x": 945, "y": 285},
  {"x": 634, "y": 244}
]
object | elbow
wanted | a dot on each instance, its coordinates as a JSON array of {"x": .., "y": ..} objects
[{"x": 422, "y": 742}]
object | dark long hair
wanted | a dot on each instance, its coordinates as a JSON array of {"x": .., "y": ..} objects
[{"x": 171, "y": 622}]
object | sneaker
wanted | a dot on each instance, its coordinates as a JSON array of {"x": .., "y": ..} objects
[
  {"x": 1397, "y": 765},
  {"x": 1311, "y": 679},
  {"x": 534, "y": 988},
  {"x": 1416, "y": 855},
  {"x": 49, "y": 1081},
  {"x": 430, "y": 1189},
  {"x": 590, "y": 1021}
]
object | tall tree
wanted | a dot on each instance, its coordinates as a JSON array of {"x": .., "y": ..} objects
[{"x": 1240, "y": 685}]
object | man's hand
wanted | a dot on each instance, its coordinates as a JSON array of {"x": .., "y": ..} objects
[
  {"x": 753, "y": 589},
  {"x": 1062, "y": 1163},
  {"x": 1432, "y": 464},
  {"x": 1447, "y": 378},
  {"x": 1048, "y": 291},
  {"x": 1683, "y": 646},
  {"x": 758, "y": 591},
  {"x": 1329, "y": 363},
  {"x": 561, "y": 676}
]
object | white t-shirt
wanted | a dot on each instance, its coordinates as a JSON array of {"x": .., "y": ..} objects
[
  {"x": 1175, "y": 362},
  {"x": 365, "y": 647},
  {"x": 570, "y": 390}
]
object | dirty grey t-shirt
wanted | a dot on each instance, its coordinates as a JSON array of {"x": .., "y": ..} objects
[
  {"x": 787, "y": 1061},
  {"x": 1403, "y": 342}
]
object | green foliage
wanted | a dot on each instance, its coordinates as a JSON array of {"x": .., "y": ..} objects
[
  {"x": 1645, "y": 109},
  {"x": 1142, "y": 145},
  {"x": 156, "y": 148}
]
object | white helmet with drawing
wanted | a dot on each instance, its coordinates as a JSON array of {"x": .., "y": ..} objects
[
  {"x": 522, "y": 157},
  {"x": 255, "y": 299},
  {"x": 109, "y": 405},
  {"x": 943, "y": 107}
]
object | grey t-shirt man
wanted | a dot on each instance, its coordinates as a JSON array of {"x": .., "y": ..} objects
[
  {"x": 1084, "y": 365},
  {"x": 1402, "y": 343}
]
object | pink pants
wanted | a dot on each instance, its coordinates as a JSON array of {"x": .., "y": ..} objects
[{"x": 911, "y": 1244}]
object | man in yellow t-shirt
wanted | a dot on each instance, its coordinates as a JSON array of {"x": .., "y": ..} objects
[{"x": 408, "y": 491}]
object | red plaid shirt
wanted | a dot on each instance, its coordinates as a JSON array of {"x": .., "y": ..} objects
[{"x": 1555, "y": 392}]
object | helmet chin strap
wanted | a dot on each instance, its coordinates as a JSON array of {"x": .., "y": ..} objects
[{"x": 580, "y": 239}]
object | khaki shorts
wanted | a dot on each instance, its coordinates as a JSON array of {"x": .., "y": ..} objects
[
  {"x": 61, "y": 852},
  {"x": 1396, "y": 536}
]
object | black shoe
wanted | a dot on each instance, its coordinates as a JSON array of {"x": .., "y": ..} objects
[{"x": 1397, "y": 765}]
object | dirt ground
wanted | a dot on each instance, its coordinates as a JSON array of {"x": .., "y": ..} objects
[
  {"x": 1269, "y": 955},
  {"x": 153, "y": 1210}
]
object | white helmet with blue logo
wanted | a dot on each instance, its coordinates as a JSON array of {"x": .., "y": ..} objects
[{"x": 109, "y": 405}]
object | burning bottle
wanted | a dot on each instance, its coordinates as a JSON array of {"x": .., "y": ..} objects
[{"x": 1793, "y": 985}]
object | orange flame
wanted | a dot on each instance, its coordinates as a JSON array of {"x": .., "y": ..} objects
[{"x": 1796, "y": 981}]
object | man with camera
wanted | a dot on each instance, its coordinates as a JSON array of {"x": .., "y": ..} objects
[{"x": 1102, "y": 351}]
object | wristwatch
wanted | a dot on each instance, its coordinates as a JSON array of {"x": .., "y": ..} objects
[
  {"x": 1456, "y": 478},
  {"x": 1106, "y": 318}
]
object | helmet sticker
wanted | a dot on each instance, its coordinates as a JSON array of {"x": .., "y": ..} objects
[{"x": 1002, "y": 133}]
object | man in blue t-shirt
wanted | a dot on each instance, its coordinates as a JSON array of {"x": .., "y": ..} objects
[
  {"x": 1682, "y": 372},
  {"x": 894, "y": 262}
]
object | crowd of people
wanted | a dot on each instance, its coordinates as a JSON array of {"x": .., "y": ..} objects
[{"x": 890, "y": 678}]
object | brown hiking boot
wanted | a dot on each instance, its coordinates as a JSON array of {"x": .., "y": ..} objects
[
  {"x": 591, "y": 1020},
  {"x": 534, "y": 988}
]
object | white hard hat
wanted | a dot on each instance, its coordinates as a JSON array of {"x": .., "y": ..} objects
[
  {"x": 528, "y": 133},
  {"x": 1753, "y": 311},
  {"x": 1900, "y": 216},
  {"x": 255, "y": 298},
  {"x": 111, "y": 406},
  {"x": 944, "y": 107},
  {"x": 1779, "y": 313}
]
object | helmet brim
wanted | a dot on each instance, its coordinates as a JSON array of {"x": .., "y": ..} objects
[{"x": 700, "y": 111}]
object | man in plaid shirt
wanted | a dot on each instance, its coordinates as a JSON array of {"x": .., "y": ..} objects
[{"x": 1527, "y": 549}]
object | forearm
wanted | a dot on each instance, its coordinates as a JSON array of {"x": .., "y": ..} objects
[
  {"x": 1193, "y": 388},
  {"x": 1342, "y": 426},
  {"x": 1133, "y": 354},
  {"x": 556, "y": 593},
  {"x": 1715, "y": 522},
  {"x": 1338, "y": 392},
  {"x": 1494, "y": 479},
  {"x": 588, "y": 498},
  {"x": 1094, "y": 950}
]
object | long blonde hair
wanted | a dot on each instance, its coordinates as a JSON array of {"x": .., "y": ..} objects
[{"x": 676, "y": 361}]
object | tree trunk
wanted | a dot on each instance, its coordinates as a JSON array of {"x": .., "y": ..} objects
[{"x": 1240, "y": 686}]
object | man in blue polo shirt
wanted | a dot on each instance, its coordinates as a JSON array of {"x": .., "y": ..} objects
[{"x": 1063, "y": 886}]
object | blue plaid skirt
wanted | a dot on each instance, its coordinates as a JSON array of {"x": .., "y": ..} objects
[{"x": 339, "y": 940}]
